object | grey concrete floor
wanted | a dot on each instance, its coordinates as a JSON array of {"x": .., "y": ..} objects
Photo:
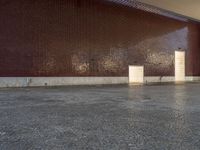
[{"x": 101, "y": 117}]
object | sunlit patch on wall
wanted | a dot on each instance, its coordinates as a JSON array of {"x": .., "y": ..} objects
[
  {"x": 113, "y": 61},
  {"x": 79, "y": 63}
]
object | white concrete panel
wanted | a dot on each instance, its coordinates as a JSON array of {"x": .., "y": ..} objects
[
  {"x": 59, "y": 81},
  {"x": 192, "y": 78},
  {"x": 62, "y": 81},
  {"x": 136, "y": 74},
  {"x": 179, "y": 66},
  {"x": 158, "y": 79}
]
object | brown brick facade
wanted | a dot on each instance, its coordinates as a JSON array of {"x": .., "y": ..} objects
[{"x": 91, "y": 38}]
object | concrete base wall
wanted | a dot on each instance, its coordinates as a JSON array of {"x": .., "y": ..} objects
[
  {"x": 58, "y": 81},
  {"x": 61, "y": 81},
  {"x": 191, "y": 78},
  {"x": 156, "y": 79}
]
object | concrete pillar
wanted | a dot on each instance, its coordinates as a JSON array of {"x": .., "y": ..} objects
[
  {"x": 179, "y": 66},
  {"x": 136, "y": 74}
]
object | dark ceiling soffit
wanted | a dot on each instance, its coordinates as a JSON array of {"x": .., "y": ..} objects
[{"x": 153, "y": 9}]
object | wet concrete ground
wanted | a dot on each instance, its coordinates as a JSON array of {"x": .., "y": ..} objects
[{"x": 101, "y": 117}]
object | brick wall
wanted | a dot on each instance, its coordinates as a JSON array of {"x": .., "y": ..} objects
[{"x": 91, "y": 38}]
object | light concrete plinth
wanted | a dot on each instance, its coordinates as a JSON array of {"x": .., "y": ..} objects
[
  {"x": 62, "y": 81},
  {"x": 58, "y": 81},
  {"x": 136, "y": 74}
]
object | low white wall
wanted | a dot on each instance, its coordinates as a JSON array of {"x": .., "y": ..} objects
[
  {"x": 156, "y": 79},
  {"x": 61, "y": 81},
  {"x": 191, "y": 78}
]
